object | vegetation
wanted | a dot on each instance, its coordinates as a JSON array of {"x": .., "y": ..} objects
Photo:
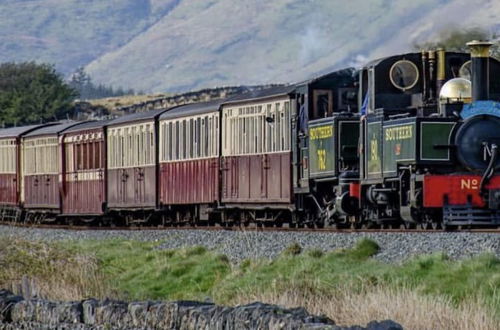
[
  {"x": 456, "y": 40},
  {"x": 347, "y": 285},
  {"x": 49, "y": 271},
  {"x": 82, "y": 83},
  {"x": 31, "y": 93}
]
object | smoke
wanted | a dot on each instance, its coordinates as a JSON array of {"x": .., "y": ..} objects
[
  {"x": 314, "y": 44},
  {"x": 358, "y": 61}
]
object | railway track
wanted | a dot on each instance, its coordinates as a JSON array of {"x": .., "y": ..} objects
[{"x": 246, "y": 228}]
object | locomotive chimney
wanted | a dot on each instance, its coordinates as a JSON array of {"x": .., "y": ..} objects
[{"x": 480, "y": 74}]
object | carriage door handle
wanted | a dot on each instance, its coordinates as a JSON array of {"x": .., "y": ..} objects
[
  {"x": 124, "y": 176},
  {"x": 265, "y": 162}
]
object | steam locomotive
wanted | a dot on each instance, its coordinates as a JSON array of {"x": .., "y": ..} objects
[{"x": 408, "y": 140}]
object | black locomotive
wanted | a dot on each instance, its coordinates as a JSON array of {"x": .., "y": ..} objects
[{"x": 428, "y": 142}]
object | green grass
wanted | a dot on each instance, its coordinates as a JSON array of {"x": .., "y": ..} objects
[{"x": 138, "y": 270}]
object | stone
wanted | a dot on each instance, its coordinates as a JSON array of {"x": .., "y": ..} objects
[
  {"x": 7, "y": 302},
  {"x": 183, "y": 315}
]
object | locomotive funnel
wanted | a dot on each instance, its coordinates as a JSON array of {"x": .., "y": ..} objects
[{"x": 480, "y": 75}]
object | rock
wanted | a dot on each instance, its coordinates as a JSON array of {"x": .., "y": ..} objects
[
  {"x": 383, "y": 325},
  {"x": 7, "y": 302},
  {"x": 182, "y": 315}
]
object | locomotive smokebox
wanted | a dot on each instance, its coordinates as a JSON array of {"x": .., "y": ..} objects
[{"x": 480, "y": 55}]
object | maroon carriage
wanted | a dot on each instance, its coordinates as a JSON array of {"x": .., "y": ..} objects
[
  {"x": 84, "y": 172},
  {"x": 132, "y": 163},
  {"x": 42, "y": 165},
  {"x": 256, "y": 150},
  {"x": 10, "y": 170},
  {"x": 189, "y": 160}
]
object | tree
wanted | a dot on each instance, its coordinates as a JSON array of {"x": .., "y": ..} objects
[
  {"x": 32, "y": 93},
  {"x": 455, "y": 40},
  {"x": 82, "y": 83}
]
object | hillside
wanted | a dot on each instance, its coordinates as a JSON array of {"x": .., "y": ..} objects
[{"x": 180, "y": 45}]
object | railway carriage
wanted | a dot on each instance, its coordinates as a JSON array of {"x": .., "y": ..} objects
[
  {"x": 189, "y": 161},
  {"x": 256, "y": 151},
  {"x": 41, "y": 168},
  {"x": 10, "y": 171},
  {"x": 132, "y": 162},
  {"x": 84, "y": 171}
]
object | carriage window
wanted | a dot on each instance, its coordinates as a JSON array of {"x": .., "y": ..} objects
[
  {"x": 269, "y": 132},
  {"x": 203, "y": 138},
  {"x": 168, "y": 141},
  {"x": 177, "y": 138},
  {"x": 253, "y": 135},
  {"x": 277, "y": 128},
  {"x": 198, "y": 137},
  {"x": 121, "y": 151},
  {"x": 215, "y": 150},
  {"x": 209, "y": 130},
  {"x": 183, "y": 140},
  {"x": 78, "y": 148},
  {"x": 85, "y": 156},
  {"x": 7, "y": 156},
  {"x": 97, "y": 155},
  {"x": 287, "y": 127}
]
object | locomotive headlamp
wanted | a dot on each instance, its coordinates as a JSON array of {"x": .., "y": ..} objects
[{"x": 456, "y": 90}]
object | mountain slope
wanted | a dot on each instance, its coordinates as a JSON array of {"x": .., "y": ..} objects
[
  {"x": 237, "y": 42},
  {"x": 180, "y": 45},
  {"x": 71, "y": 33}
]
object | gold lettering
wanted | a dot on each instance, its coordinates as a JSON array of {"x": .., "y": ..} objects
[
  {"x": 399, "y": 133},
  {"x": 322, "y": 159},
  {"x": 374, "y": 150},
  {"x": 469, "y": 184},
  {"x": 321, "y": 132}
]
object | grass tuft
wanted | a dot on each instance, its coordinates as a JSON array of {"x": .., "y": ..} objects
[
  {"x": 293, "y": 249},
  {"x": 315, "y": 253},
  {"x": 365, "y": 248}
]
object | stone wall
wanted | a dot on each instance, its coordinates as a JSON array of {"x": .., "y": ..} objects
[
  {"x": 203, "y": 95},
  {"x": 18, "y": 313}
]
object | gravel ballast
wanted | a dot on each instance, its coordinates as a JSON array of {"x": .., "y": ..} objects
[{"x": 240, "y": 245}]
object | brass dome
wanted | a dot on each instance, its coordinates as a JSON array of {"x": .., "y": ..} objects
[{"x": 456, "y": 90}]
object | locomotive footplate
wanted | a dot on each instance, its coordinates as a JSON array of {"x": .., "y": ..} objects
[{"x": 460, "y": 215}]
